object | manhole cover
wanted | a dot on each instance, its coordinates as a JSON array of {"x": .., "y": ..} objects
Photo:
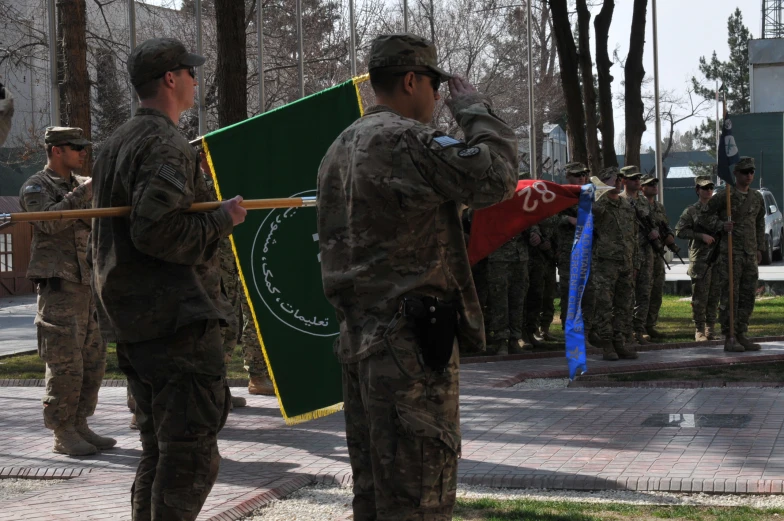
[{"x": 732, "y": 421}]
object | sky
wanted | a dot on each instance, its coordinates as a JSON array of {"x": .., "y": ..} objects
[{"x": 687, "y": 30}]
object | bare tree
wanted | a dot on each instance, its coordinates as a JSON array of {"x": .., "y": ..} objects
[
  {"x": 603, "y": 64},
  {"x": 634, "y": 73},
  {"x": 232, "y": 69},
  {"x": 589, "y": 94}
]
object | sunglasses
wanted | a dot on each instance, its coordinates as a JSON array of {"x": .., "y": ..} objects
[
  {"x": 709, "y": 187},
  {"x": 75, "y": 148},
  {"x": 435, "y": 79},
  {"x": 747, "y": 172},
  {"x": 191, "y": 71}
]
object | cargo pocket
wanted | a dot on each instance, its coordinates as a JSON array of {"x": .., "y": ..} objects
[
  {"x": 56, "y": 344},
  {"x": 425, "y": 465}
]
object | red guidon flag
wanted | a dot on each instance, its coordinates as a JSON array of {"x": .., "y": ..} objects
[{"x": 533, "y": 202}]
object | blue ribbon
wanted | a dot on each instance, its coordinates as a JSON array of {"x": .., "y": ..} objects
[{"x": 579, "y": 269}]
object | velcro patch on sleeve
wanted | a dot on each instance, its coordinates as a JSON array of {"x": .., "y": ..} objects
[
  {"x": 173, "y": 176},
  {"x": 447, "y": 141},
  {"x": 33, "y": 189}
]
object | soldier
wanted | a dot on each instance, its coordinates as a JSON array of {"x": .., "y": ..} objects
[
  {"x": 650, "y": 189},
  {"x": 748, "y": 240},
  {"x": 68, "y": 337},
  {"x": 395, "y": 266},
  {"x": 702, "y": 230},
  {"x": 540, "y": 264},
  {"x": 157, "y": 283},
  {"x": 644, "y": 264},
  {"x": 507, "y": 285},
  {"x": 6, "y": 113},
  {"x": 612, "y": 268},
  {"x": 576, "y": 174}
]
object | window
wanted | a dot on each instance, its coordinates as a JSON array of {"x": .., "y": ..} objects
[{"x": 6, "y": 253}]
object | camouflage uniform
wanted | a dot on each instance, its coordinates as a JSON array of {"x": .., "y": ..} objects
[
  {"x": 398, "y": 234},
  {"x": 68, "y": 337},
  {"x": 541, "y": 268},
  {"x": 157, "y": 283},
  {"x": 479, "y": 272},
  {"x": 658, "y": 273},
  {"x": 6, "y": 113},
  {"x": 748, "y": 237},
  {"x": 507, "y": 285},
  {"x": 643, "y": 264},
  {"x": 612, "y": 279},
  {"x": 705, "y": 287},
  {"x": 565, "y": 240}
]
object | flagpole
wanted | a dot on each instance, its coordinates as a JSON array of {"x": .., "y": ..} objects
[
  {"x": 200, "y": 72},
  {"x": 124, "y": 211},
  {"x": 260, "y": 42},
  {"x": 731, "y": 338},
  {"x": 532, "y": 118},
  {"x": 352, "y": 39},
  {"x": 54, "y": 86},
  {"x": 132, "y": 45},
  {"x": 300, "y": 57},
  {"x": 405, "y": 16},
  {"x": 657, "y": 122}
]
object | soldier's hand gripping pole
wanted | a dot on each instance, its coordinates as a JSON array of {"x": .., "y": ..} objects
[{"x": 122, "y": 211}]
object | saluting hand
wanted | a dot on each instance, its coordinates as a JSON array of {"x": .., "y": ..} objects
[{"x": 460, "y": 87}]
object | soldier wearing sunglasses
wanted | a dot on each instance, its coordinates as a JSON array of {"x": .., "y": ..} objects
[{"x": 68, "y": 337}]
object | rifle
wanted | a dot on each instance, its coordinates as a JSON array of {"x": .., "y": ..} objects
[
  {"x": 716, "y": 250},
  {"x": 664, "y": 231},
  {"x": 647, "y": 225}
]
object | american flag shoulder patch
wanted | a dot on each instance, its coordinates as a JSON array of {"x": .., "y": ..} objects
[{"x": 171, "y": 175}]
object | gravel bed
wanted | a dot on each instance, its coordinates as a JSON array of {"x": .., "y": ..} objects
[
  {"x": 332, "y": 503},
  {"x": 543, "y": 383},
  {"x": 10, "y": 488}
]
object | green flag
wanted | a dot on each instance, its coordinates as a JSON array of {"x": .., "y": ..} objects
[{"x": 277, "y": 154}]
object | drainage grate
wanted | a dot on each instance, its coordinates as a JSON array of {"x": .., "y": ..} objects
[{"x": 731, "y": 421}]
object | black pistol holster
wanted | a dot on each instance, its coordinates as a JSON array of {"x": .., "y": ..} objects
[{"x": 436, "y": 325}]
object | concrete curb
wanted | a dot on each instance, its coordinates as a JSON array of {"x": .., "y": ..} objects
[
  {"x": 674, "y": 384},
  {"x": 277, "y": 489},
  {"x": 39, "y": 382}
]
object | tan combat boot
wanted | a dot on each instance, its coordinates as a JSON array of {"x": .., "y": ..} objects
[
  {"x": 625, "y": 351},
  {"x": 133, "y": 425},
  {"x": 238, "y": 401},
  {"x": 642, "y": 338},
  {"x": 261, "y": 384},
  {"x": 67, "y": 441},
  {"x": 732, "y": 346},
  {"x": 530, "y": 338},
  {"x": 711, "y": 333},
  {"x": 100, "y": 442},
  {"x": 747, "y": 344},
  {"x": 608, "y": 351},
  {"x": 654, "y": 333},
  {"x": 699, "y": 335}
]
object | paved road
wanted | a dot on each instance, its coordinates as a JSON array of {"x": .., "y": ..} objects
[{"x": 16, "y": 325}]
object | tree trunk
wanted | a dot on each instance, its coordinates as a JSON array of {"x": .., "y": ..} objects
[
  {"x": 232, "y": 70},
  {"x": 567, "y": 58},
  {"x": 606, "y": 122},
  {"x": 72, "y": 24},
  {"x": 589, "y": 94},
  {"x": 633, "y": 76}
]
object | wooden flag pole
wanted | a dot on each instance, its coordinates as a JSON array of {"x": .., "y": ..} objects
[{"x": 122, "y": 211}]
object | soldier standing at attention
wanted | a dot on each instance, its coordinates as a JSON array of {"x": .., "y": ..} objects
[
  {"x": 702, "y": 230},
  {"x": 644, "y": 264},
  {"x": 650, "y": 189},
  {"x": 395, "y": 267},
  {"x": 748, "y": 240},
  {"x": 68, "y": 337},
  {"x": 576, "y": 174},
  {"x": 157, "y": 284},
  {"x": 507, "y": 286},
  {"x": 612, "y": 269}
]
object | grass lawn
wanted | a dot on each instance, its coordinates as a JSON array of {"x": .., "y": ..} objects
[
  {"x": 486, "y": 509},
  {"x": 760, "y": 372},
  {"x": 30, "y": 366}
]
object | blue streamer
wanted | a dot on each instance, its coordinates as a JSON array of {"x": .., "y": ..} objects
[{"x": 579, "y": 269}]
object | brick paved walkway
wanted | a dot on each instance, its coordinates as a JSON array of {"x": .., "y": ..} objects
[{"x": 566, "y": 438}]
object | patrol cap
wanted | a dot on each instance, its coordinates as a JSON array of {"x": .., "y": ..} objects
[
  {"x": 405, "y": 50},
  {"x": 745, "y": 163},
  {"x": 576, "y": 169},
  {"x": 648, "y": 179},
  {"x": 704, "y": 180},
  {"x": 57, "y": 136},
  {"x": 153, "y": 58},
  {"x": 631, "y": 172},
  {"x": 607, "y": 173}
]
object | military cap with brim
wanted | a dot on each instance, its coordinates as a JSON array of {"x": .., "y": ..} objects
[
  {"x": 608, "y": 173},
  {"x": 404, "y": 51},
  {"x": 153, "y": 58},
  {"x": 57, "y": 136},
  {"x": 648, "y": 179},
  {"x": 575, "y": 169},
  {"x": 631, "y": 172},
  {"x": 704, "y": 180},
  {"x": 744, "y": 163}
]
